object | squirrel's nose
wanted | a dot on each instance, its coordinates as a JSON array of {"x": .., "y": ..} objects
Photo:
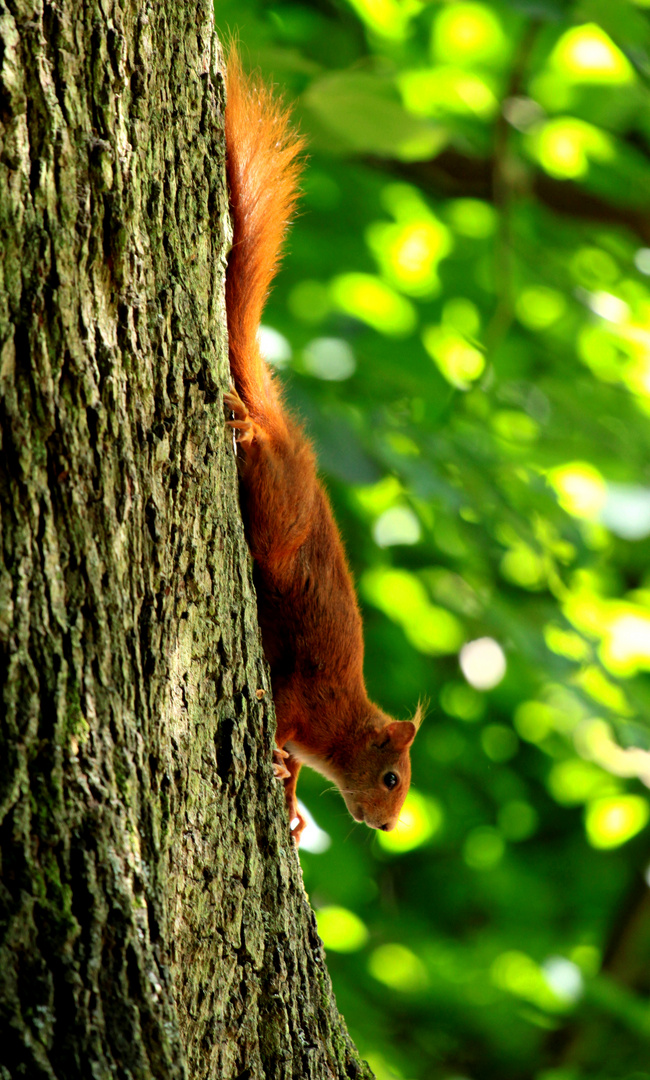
[{"x": 384, "y": 828}]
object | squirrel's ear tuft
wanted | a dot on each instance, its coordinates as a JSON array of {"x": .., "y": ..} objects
[
  {"x": 401, "y": 733},
  {"x": 420, "y": 712}
]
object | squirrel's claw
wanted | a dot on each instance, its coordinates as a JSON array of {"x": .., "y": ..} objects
[
  {"x": 243, "y": 428},
  {"x": 280, "y": 770},
  {"x": 232, "y": 401}
]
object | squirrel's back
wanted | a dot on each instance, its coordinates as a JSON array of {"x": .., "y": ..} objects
[{"x": 263, "y": 166}]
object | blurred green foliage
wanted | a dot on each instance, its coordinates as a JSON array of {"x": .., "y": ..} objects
[{"x": 463, "y": 321}]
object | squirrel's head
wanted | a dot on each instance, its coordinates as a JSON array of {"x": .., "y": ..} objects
[{"x": 376, "y": 777}]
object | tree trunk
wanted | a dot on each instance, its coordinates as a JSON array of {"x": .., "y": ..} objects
[{"x": 153, "y": 921}]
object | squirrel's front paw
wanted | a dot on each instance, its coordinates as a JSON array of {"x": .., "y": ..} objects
[
  {"x": 242, "y": 425},
  {"x": 280, "y": 770}
]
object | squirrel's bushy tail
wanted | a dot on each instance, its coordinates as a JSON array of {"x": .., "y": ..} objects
[{"x": 263, "y": 167}]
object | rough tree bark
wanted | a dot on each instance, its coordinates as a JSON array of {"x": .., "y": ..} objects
[{"x": 153, "y": 921}]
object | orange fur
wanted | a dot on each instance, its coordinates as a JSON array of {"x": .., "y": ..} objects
[{"x": 311, "y": 627}]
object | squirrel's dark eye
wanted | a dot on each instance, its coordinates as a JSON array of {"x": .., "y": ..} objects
[{"x": 391, "y": 780}]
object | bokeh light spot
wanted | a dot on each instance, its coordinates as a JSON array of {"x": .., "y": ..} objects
[
  {"x": 313, "y": 839},
  {"x": 420, "y": 818},
  {"x": 309, "y": 301},
  {"x": 517, "y": 820},
  {"x": 403, "y": 597},
  {"x": 484, "y": 847},
  {"x": 341, "y": 930},
  {"x": 564, "y": 978},
  {"x": 588, "y": 54},
  {"x": 328, "y": 358},
  {"x": 397, "y": 525},
  {"x": 396, "y": 966},
  {"x": 274, "y": 346},
  {"x": 460, "y": 700},
  {"x": 472, "y": 218},
  {"x": 515, "y": 426},
  {"x": 565, "y": 146},
  {"x": 408, "y": 254},
  {"x": 518, "y": 974},
  {"x": 459, "y": 362},
  {"x": 483, "y": 663},
  {"x": 580, "y": 488},
  {"x": 468, "y": 33},
  {"x": 499, "y": 742},
  {"x": 575, "y": 781},
  {"x": 613, "y": 821},
  {"x": 443, "y": 90},
  {"x": 372, "y": 301},
  {"x": 533, "y": 720},
  {"x": 387, "y": 18},
  {"x": 538, "y": 307}
]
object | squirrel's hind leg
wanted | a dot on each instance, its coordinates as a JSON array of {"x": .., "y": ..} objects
[
  {"x": 297, "y": 822},
  {"x": 278, "y": 478},
  {"x": 245, "y": 429}
]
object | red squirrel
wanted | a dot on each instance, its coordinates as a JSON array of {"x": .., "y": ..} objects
[{"x": 308, "y": 611}]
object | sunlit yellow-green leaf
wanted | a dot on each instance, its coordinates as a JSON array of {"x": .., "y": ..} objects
[
  {"x": 341, "y": 930},
  {"x": 517, "y": 973},
  {"x": 444, "y": 91},
  {"x": 472, "y": 218},
  {"x": 588, "y": 958},
  {"x": 580, "y": 488},
  {"x": 398, "y": 593},
  {"x": 361, "y": 110},
  {"x": 603, "y": 690},
  {"x": 403, "y": 597},
  {"x": 374, "y": 302},
  {"x": 459, "y": 362},
  {"x": 468, "y": 33},
  {"x": 396, "y": 966},
  {"x": 309, "y": 301},
  {"x": 534, "y": 721},
  {"x": 420, "y": 818},
  {"x": 463, "y": 315},
  {"x": 408, "y": 254},
  {"x": 565, "y": 145},
  {"x": 388, "y": 18},
  {"x": 514, "y": 425},
  {"x": 462, "y": 701},
  {"x": 587, "y": 54},
  {"x": 613, "y": 821},
  {"x": 402, "y": 444},
  {"x": 435, "y": 631},
  {"x": 594, "y": 268},
  {"x": 595, "y": 740},
  {"x": 566, "y": 643},
  {"x": 375, "y": 498},
  {"x": 524, "y": 567},
  {"x": 574, "y": 781},
  {"x": 539, "y": 307}
]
